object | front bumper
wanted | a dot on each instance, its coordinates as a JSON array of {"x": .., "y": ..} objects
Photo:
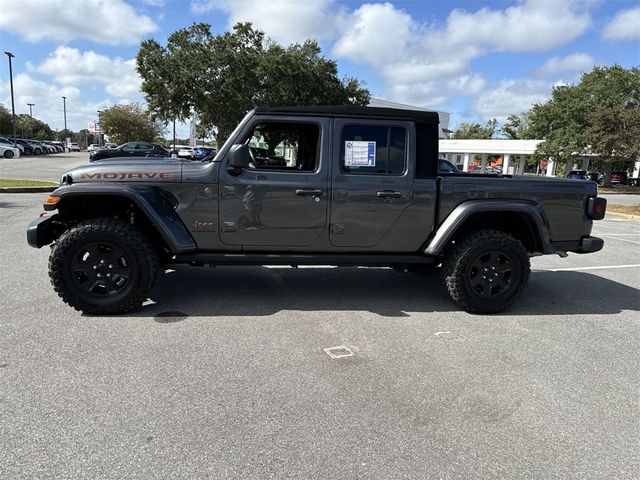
[{"x": 42, "y": 231}]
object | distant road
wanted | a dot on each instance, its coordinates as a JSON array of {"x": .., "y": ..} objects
[{"x": 622, "y": 199}]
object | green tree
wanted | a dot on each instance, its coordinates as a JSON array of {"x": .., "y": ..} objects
[
  {"x": 583, "y": 118},
  {"x": 475, "y": 130},
  {"x": 516, "y": 127},
  {"x": 6, "y": 125},
  {"x": 221, "y": 77},
  {"x": 33, "y": 128},
  {"x": 130, "y": 122}
]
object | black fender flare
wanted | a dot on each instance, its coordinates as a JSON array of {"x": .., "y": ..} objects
[
  {"x": 150, "y": 202},
  {"x": 465, "y": 210}
]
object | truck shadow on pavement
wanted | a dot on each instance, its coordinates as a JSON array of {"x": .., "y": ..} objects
[{"x": 260, "y": 291}]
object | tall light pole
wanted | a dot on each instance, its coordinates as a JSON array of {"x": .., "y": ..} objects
[
  {"x": 13, "y": 106},
  {"x": 99, "y": 129},
  {"x": 31, "y": 105},
  {"x": 64, "y": 108}
]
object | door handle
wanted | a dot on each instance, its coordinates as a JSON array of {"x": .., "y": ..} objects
[
  {"x": 388, "y": 194},
  {"x": 308, "y": 193}
]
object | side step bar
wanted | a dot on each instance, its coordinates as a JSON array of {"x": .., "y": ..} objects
[{"x": 345, "y": 259}]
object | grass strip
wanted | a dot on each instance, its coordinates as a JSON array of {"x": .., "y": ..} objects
[{"x": 17, "y": 183}]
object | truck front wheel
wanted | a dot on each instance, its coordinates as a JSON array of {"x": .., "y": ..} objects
[
  {"x": 486, "y": 271},
  {"x": 103, "y": 266}
]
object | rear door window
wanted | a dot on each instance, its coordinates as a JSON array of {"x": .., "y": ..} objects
[{"x": 373, "y": 150}]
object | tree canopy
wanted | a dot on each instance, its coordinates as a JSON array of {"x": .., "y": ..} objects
[
  {"x": 476, "y": 131},
  {"x": 599, "y": 115},
  {"x": 516, "y": 127},
  {"x": 221, "y": 77},
  {"x": 6, "y": 125},
  {"x": 30, "y": 127},
  {"x": 130, "y": 122}
]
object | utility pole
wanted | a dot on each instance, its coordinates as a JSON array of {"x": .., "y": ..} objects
[
  {"x": 64, "y": 107},
  {"x": 13, "y": 106},
  {"x": 31, "y": 105}
]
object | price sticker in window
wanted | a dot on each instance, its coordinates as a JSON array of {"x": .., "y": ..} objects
[{"x": 359, "y": 153}]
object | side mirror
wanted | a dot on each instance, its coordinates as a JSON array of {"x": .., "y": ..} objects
[{"x": 239, "y": 158}]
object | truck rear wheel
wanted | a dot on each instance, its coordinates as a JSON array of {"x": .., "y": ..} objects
[
  {"x": 486, "y": 271},
  {"x": 103, "y": 266}
]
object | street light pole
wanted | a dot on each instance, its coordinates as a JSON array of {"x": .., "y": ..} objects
[
  {"x": 64, "y": 108},
  {"x": 13, "y": 106},
  {"x": 99, "y": 129},
  {"x": 31, "y": 105}
]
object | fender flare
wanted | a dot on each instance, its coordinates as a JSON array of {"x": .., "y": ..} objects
[
  {"x": 465, "y": 210},
  {"x": 148, "y": 200}
]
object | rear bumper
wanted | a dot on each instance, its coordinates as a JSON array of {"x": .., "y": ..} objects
[
  {"x": 42, "y": 231},
  {"x": 590, "y": 244}
]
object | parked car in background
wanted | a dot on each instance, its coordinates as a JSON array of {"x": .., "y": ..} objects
[
  {"x": 200, "y": 153},
  {"x": 28, "y": 147},
  {"x": 578, "y": 175},
  {"x": 445, "y": 166},
  {"x": 73, "y": 147},
  {"x": 92, "y": 147},
  {"x": 110, "y": 145},
  {"x": 185, "y": 152},
  {"x": 5, "y": 142},
  {"x": 7, "y": 151},
  {"x": 596, "y": 177},
  {"x": 619, "y": 178},
  {"x": 131, "y": 149}
]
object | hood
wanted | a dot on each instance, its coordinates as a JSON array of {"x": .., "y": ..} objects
[{"x": 122, "y": 169}]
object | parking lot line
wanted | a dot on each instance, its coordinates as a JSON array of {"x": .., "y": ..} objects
[
  {"x": 611, "y": 237},
  {"x": 601, "y": 267}
]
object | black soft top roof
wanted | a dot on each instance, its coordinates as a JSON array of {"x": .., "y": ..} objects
[{"x": 353, "y": 111}]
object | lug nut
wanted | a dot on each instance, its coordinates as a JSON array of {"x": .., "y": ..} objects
[
  {"x": 95, "y": 267},
  {"x": 110, "y": 266},
  {"x": 99, "y": 275},
  {"x": 101, "y": 261}
]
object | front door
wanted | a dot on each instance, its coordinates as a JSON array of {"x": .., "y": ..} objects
[
  {"x": 372, "y": 180},
  {"x": 281, "y": 199}
]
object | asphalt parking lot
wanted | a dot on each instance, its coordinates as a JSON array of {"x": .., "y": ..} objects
[{"x": 223, "y": 373}]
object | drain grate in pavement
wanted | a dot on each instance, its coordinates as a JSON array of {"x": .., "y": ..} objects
[{"x": 338, "y": 352}]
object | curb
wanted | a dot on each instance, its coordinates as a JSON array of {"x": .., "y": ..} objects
[
  {"x": 27, "y": 189},
  {"x": 624, "y": 215}
]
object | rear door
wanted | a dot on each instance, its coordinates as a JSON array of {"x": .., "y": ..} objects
[
  {"x": 372, "y": 180},
  {"x": 281, "y": 199}
]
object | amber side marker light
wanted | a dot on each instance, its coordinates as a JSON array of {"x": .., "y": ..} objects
[{"x": 52, "y": 200}]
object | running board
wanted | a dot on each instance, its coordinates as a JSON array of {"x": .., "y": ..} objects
[{"x": 345, "y": 259}]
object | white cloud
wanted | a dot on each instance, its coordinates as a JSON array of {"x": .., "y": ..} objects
[
  {"x": 511, "y": 96},
  {"x": 624, "y": 26},
  {"x": 111, "y": 22},
  {"x": 374, "y": 34},
  {"x": 48, "y": 102},
  {"x": 533, "y": 25},
  {"x": 576, "y": 62},
  {"x": 286, "y": 21},
  {"x": 69, "y": 66}
]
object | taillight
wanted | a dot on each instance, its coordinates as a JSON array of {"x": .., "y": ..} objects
[{"x": 596, "y": 208}]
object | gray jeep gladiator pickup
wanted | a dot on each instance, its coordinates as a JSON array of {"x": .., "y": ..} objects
[{"x": 345, "y": 186}]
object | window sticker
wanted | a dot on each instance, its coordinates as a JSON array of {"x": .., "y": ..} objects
[{"x": 359, "y": 154}]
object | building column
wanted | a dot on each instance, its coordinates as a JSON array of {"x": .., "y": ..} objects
[
  {"x": 551, "y": 164},
  {"x": 483, "y": 163},
  {"x": 505, "y": 163},
  {"x": 466, "y": 161},
  {"x": 636, "y": 170},
  {"x": 585, "y": 164},
  {"x": 522, "y": 165},
  {"x": 568, "y": 167}
]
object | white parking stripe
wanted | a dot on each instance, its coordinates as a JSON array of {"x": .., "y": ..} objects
[
  {"x": 622, "y": 240},
  {"x": 602, "y": 267},
  {"x": 621, "y": 234}
]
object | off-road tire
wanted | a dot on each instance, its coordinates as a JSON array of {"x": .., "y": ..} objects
[
  {"x": 460, "y": 271},
  {"x": 8, "y": 154},
  {"x": 143, "y": 265}
]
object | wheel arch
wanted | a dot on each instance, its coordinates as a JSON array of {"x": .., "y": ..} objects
[
  {"x": 524, "y": 220},
  {"x": 150, "y": 207}
]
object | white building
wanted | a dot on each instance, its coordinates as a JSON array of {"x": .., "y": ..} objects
[{"x": 444, "y": 116}]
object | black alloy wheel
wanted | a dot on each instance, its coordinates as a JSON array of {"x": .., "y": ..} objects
[
  {"x": 102, "y": 270},
  {"x": 485, "y": 271}
]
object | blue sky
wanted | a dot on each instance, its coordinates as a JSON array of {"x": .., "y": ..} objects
[{"x": 475, "y": 59}]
